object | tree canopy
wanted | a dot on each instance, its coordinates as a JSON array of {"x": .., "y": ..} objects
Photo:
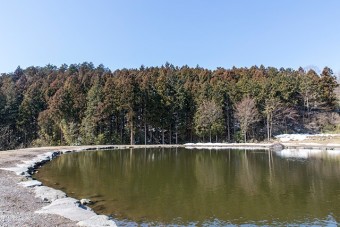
[{"x": 84, "y": 104}]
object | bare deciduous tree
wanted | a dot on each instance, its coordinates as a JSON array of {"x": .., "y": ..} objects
[
  {"x": 247, "y": 114},
  {"x": 209, "y": 118},
  {"x": 279, "y": 114}
]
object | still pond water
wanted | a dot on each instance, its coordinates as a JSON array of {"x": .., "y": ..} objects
[{"x": 201, "y": 187}]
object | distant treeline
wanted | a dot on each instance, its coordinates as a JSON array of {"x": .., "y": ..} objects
[{"x": 84, "y": 104}]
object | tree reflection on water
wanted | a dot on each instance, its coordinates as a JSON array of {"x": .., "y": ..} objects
[{"x": 200, "y": 186}]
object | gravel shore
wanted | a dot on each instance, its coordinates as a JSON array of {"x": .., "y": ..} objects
[{"x": 18, "y": 204}]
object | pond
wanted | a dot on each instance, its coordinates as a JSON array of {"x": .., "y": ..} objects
[{"x": 201, "y": 187}]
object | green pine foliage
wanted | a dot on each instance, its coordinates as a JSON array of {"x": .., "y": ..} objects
[{"x": 83, "y": 104}]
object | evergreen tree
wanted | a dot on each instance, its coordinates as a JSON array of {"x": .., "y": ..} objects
[
  {"x": 84, "y": 104},
  {"x": 89, "y": 125},
  {"x": 327, "y": 84}
]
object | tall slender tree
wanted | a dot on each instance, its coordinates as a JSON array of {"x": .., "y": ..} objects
[{"x": 247, "y": 114}]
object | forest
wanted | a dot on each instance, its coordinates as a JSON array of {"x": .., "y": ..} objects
[{"x": 83, "y": 104}]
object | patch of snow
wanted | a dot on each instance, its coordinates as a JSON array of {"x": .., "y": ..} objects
[
  {"x": 227, "y": 147},
  {"x": 30, "y": 183},
  {"x": 301, "y": 137},
  {"x": 206, "y": 144},
  {"x": 333, "y": 145},
  {"x": 328, "y": 135},
  {"x": 292, "y": 137},
  {"x": 221, "y": 146},
  {"x": 310, "y": 144}
]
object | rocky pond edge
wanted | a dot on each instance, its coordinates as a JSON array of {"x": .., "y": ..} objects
[{"x": 59, "y": 203}]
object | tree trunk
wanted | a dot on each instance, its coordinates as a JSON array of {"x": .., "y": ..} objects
[
  {"x": 170, "y": 135},
  {"x": 132, "y": 133},
  {"x": 228, "y": 123},
  {"x": 268, "y": 136},
  {"x": 176, "y": 135},
  {"x": 271, "y": 126},
  {"x": 162, "y": 136},
  {"x": 145, "y": 133},
  {"x": 61, "y": 137},
  {"x": 25, "y": 139},
  {"x": 121, "y": 130},
  {"x": 151, "y": 136}
]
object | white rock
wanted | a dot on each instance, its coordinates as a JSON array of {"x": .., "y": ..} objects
[
  {"x": 48, "y": 194},
  {"x": 61, "y": 205},
  {"x": 30, "y": 183},
  {"x": 69, "y": 208},
  {"x": 85, "y": 201},
  {"x": 97, "y": 221}
]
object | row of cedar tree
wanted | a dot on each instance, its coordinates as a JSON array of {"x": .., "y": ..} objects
[{"x": 83, "y": 104}]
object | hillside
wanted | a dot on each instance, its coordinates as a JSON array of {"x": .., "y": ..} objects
[{"x": 84, "y": 104}]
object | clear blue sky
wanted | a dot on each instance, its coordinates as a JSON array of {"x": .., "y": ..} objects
[{"x": 214, "y": 33}]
